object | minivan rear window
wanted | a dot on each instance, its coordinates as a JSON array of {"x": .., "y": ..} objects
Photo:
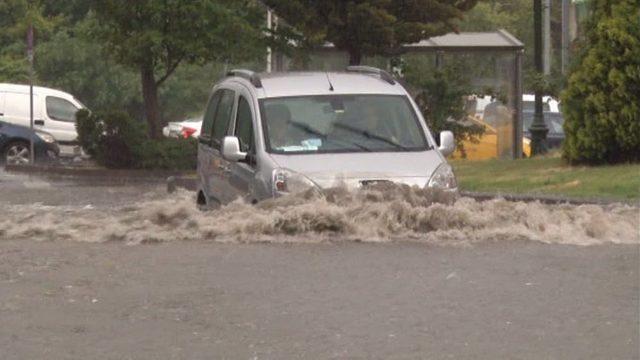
[{"x": 61, "y": 109}]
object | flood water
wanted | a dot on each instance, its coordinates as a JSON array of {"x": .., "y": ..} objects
[{"x": 381, "y": 213}]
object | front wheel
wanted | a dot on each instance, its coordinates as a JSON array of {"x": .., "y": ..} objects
[{"x": 17, "y": 153}]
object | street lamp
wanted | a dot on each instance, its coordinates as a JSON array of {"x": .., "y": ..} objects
[{"x": 538, "y": 128}]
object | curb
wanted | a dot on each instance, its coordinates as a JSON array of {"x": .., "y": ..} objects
[
  {"x": 544, "y": 199},
  {"x": 188, "y": 180},
  {"x": 96, "y": 173},
  {"x": 190, "y": 183}
]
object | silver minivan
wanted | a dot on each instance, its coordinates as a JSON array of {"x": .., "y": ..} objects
[{"x": 267, "y": 135}]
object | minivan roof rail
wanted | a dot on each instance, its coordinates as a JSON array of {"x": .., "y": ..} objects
[
  {"x": 253, "y": 77},
  {"x": 372, "y": 70}
]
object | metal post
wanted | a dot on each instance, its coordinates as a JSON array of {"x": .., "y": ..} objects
[
  {"x": 30, "y": 57},
  {"x": 538, "y": 128},
  {"x": 547, "y": 37},
  {"x": 565, "y": 35},
  {"x": 517, "y": 121}
]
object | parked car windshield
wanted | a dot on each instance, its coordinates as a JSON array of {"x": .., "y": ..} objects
[{"x": 341, "y": 123}]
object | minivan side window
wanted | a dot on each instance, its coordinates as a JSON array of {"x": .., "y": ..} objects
[
  {"x": 210, "y": 113},
  {"x": 61, "y": 109},
  {"x": 223, "y": 116},
  {"x": 244, "y": 126}
]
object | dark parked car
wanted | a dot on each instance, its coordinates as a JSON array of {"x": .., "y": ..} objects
[
  {"x": 15, "y": 147},
  {"x": 554, "y": 121}
]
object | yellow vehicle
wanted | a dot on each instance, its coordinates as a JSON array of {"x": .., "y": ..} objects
[{"x": 496, "y": 142}]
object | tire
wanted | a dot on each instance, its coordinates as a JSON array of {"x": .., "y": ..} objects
[
  {"x": 16, "y": 153},
  {"x": 206, "y": 204}
]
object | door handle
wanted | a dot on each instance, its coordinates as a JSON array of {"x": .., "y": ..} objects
[{"x": 38, "y": 122}]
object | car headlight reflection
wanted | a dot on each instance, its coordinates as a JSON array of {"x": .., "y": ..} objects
[
  {"x": 443, "y": 178},
  {"x": 46, "y": 137},
  {"x": 289, "y": 182}
]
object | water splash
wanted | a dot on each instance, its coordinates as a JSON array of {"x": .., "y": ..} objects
[{"x": 380, "y": 213}]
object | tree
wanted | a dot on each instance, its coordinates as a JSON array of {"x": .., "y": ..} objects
[
  {"x": 15, "y": 18},
  {"x": 601, "y": 104},
  {"x": 154, "y": 37},
  {"x": 81, "y": 67},
  {"x": 371, "y": 27}
]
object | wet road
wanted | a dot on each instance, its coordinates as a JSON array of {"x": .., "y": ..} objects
[{"x": 202, "y": 300}]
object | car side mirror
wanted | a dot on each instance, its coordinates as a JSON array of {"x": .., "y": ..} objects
[
  {"x": 447, "y": 143},
  {"x": 231, "y": 149}
]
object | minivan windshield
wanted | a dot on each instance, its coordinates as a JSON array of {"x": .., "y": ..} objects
[{"x": 341, "y": 123}]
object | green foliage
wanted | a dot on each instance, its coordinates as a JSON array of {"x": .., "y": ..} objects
[
  {"x": 79, "y": 66},
  {"x": 440, "y": 94},
  {"x": 154, "y": 37},
  {"x": 169, "y": 154},
  {"x": 88, "y": 132},
  {"x": 15, "y": 18},
  {"x": 167, "y": 32},
  {"x": 516, "y": 16},
  {"x": 601, "y": 104},
  {"x": 186, "y": 92},
  {"x": 116, "y": 141},
  {"x": 370, "y": 27},
  {"x": 112, "y": 138}
]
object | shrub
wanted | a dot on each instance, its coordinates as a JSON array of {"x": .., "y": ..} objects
[
  {"x": 116, "y": 141},
  {"x": 88, "y": 132},
  {"x": 601, "y": 104},
  {"x": 112, "y": 138},
  {"x": 169, "y": 154}
]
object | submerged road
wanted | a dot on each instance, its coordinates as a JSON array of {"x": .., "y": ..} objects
[{"x": 203, "y": 300}]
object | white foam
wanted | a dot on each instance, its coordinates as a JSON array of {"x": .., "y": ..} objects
[{"x": 378, "y": 214}]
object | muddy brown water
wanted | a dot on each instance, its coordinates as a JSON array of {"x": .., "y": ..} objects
[{"x": 382, "y": 213}]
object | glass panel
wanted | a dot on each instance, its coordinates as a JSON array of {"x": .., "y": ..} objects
[
  {"x": 61, "y": 109},
  {"x": 485, "y": 80},
  {"x": 342, "y": 123},
  {"x": 207, "y": 121},
  {"x": 223, "y": 115},
  {"x": 244, "y": 125}
]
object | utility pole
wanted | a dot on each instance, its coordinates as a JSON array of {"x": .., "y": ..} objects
[
  {"x": 547, "y": 37},
  {"x": 30, "y": 57},
  {"x": 538, "y": 128}
]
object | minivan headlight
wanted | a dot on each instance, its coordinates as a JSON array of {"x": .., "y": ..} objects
[
  {"x": 285, "y": 181},
  {"x": 46, "y": 137},
  {"x": 443, "y": 178}
]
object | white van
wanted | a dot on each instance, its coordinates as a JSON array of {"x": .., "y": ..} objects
[{"x": 54, "y": 112}]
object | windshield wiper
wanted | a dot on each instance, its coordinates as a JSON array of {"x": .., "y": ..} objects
[
  {"x": 372, "y": 136},
  {"x": 306, "y": 128}
]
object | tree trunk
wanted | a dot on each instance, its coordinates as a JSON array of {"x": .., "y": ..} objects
[
  {"x": 355, "y": 57},
  {"x": 150, "y": 96}
]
